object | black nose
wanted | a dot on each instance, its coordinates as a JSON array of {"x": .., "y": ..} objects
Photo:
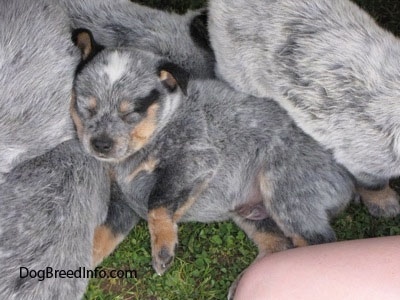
[{"x": 102, "y": 144}]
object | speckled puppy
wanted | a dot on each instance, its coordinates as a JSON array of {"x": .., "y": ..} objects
[
  {"x": 200, "y": 151},
  {"x": 332, "y": 68}
]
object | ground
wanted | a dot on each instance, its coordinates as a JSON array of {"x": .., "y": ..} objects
[{"x": 210, "y": 256}]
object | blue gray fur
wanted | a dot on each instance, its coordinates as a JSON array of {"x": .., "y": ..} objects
[
  {"x": 49, "y": 209},
  {"x": 254, "y": 164},
  {"x": 125, "y": 24},
  {"x": 52, "y": 195},
  {"x": 37, "y": 63},
  {"x": 328, "y": 64}
]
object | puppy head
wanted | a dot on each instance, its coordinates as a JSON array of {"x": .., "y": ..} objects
[{"x": 122, "y": 99}]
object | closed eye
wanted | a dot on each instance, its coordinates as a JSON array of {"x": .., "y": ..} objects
[
  {"x": 87, "y": 112},
  {"x": 130, "y": 117}
]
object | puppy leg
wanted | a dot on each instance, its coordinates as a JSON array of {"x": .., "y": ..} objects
[
  {"x": 382, "y": 202},
  {"x": 120, "y": 220},
  {"x": 164, "y": 238},
  {"x": 301, "y": 212},
  {"x": 266, "y": 235},
  {"x": 163, "y": 229}
]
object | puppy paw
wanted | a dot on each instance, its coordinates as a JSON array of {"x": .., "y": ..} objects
[
  {"x": 162, "y": 260},
  {"x": 381, "y": 203},
  {"x": 388, "y": 210}
]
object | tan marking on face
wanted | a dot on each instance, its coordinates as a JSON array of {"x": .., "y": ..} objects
[
  {"x": 147, "y": 166},
  {"x": 124, "y": 106},
  {"x": 143, "y": 131},
  {"x": 104, "y": 242},
  {"x": 75, "y": 117},
  {"x": 383, "y": 198},
  {"x": 163, "y": 230},
  {"x": 92, "y": 102},
  {"x": 168, "y": 79},
  {"x": 299, "y": 241}
]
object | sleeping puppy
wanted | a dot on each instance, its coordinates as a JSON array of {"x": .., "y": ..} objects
[{"x": 195, "y": 150}]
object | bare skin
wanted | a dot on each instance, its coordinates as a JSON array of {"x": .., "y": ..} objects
[{"x": 362, "y": 269}]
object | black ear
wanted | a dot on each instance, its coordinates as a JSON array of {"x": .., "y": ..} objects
[
  {"x": 84, "y": 40},
  {"x": 199, "y": 30},
  {"x": 172, "y": 76}
]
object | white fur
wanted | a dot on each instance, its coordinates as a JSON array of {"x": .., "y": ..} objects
[{"x": 116, "y": 67}]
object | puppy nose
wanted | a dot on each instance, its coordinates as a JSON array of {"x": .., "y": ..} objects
[{"x": 102, "y": 144}]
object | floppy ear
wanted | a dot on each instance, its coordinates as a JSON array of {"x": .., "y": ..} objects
[
  {"x": 172, "y": 76},
  {"x": 84, "y": 40},
  {"x": 199, "y": 30}
]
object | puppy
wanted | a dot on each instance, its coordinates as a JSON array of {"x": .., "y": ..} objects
[
  {"x": 37, "y": 63},
  {"x": 332, "y": 68},
  {"x": 180, "y": 38},
  {"x": 193, "y": 150},
  {"x": 56, "y": 210},
  {"x": 38, "y": 60},
  {"x": 49, "y": 209}
]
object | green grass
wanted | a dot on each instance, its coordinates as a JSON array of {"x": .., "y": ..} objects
[{"x": 210, "y": 256}]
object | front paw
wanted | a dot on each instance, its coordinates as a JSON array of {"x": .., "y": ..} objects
[
  {"x": 162, "y": 260},
  {"x": 164, "y": 238}
]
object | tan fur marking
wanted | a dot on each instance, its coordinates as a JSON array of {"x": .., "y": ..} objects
[
  {"x": 268, "y": 242},
  {"x": 163, "y": 230},
  {"x": 124, "y": 106},
  {"x": 92, "y": 102},
  {"x": 194, "y": 195},
  {"x": 147, "y": 166},
  {"x": 141, "y": 134},
  {"x": 265, "y": 187},
  {"x": 75, "y": 117},
  {"x": 166, "y": 77},
  {"x": 299, "y": 241},
  {"x": 104, "y": 242},
  {"x": 84, "y": 44},
  {"x": 382, "y": 198}
]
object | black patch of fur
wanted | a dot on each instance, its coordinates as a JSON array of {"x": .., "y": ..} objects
[
  {"x": 199, "y": 31},
  {"x": 120, "y": 215},
  {"x": 142, "y": 104}
]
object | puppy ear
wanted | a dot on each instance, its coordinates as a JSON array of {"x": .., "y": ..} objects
[
  {"x": 199, "y": 30},
  {"x": 84, "y": 40},
  {"x": 172, "y": 76}
]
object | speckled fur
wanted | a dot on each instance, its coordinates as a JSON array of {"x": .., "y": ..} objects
[
  {"x": 37, "y": 64},
  {"x": 241, "y": 151},
  {"x": 332, "y": 68},
  {"x": 121, "y": 23},
  {"x": 328, "y": 64}
]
